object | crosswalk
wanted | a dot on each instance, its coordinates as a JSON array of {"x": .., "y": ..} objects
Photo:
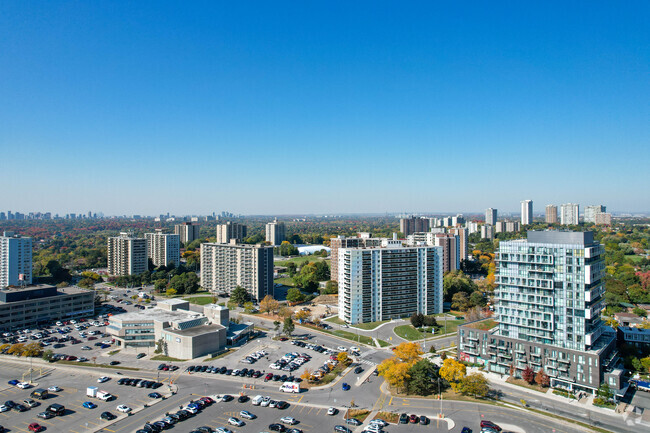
[{"x": 367, "y": 362}]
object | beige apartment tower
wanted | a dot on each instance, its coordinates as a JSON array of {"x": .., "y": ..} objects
[
  {"x": 276, "y": 232},
  {"x": 551, "y": 214},
  {"x": 127, "y": 255},
  {"x": 229, "y": 231},
  {"x": 187, "y": 232}
]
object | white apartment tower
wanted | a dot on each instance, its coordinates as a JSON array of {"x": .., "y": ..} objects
[
  {"x": 592, "y": 211},
  {"x": 569, "y": 214},
  {"x": 127, "y": 255},
  {"x": 526, "y": 212},
  {"x": 187, "y": 232},
  {"x": 391, "y": 281},
  {"x": 276, "y": 232},
  {"x": 226, "y": 266},
  {"x": 491, "y": 216},
  {"x": 163, "y": 249},
  {"x": 229, "y": 231},
  {"x": 15, "y": 260}
]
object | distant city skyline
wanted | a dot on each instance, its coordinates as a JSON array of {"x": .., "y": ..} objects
[{"x": 314, "y": 108}]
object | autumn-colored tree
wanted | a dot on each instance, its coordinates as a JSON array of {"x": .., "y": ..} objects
[
  {"x": 542, "y": 379},
  {"x": 342, "y": 357},
  {"x": 17, "y": 348},
  {"x": 460, "y": 301},
  {"x": 408, "y": 353},
  {"x": 5, "y": 346},
  {"x": 528, "y": 375},
  {"x": 285, "y": 312},
  {"x": 269, "y": 305},
  {"x": 453, "y": 371},
  {"x": 395, "y": 372},
  {"x": 474, "y": 384},
  {"x": 32, "y": 349},
  {"x": 170, "y": 292},
  {"x": 307, "y": 374},
  {"x": 302, "y": 315}
]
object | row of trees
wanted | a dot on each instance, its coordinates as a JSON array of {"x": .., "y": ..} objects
[{"x": 32, "y": 349}]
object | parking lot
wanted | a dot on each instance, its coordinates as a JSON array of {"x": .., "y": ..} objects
[{"x": 73, "y": 385}]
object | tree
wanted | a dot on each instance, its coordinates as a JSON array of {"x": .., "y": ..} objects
[
  {"x": 285, "y": 312},
  {"x": 343, "y": 358},
  {"x": 331, "y": 288},
  {"x": 604, "y": 391},
  {"x": 307, "y": 374},
  {"x": 528, "y": 375},
  {"x": 473, "y": 384},
  {"x": 302, "y": 315},
  {"x": 159, "y": 285},
  {"x": 408, "y": 353},
  {"x": 477, "y": 299},
  {"x": 276, "y": 326},
  {"x": 248, "y": 307},
  {"x": 454, "y": 282},
  {"x": 424, "y": 378},
  {"x": 396, "y": 373},
  {"x": 430, "y": 321},
  {"x": 239, "y": 295},
  {"x": 417, "y": 320},
  {"x": 542, "y": 379},
  {"x": 47, "y": 355},
  {"x": 269, "y": 305},
  {"x": 288, "y": 327},
  {"x": 16, "y": 349},
  {"x": 460, "y": 301},
  {"x": 612, "y": 322},
  {"x": 291, "y": 269},
  {"x": 452, "y": 371},
  {"x": 295, "y": 296},
  {"x": 171, "y": 292},
  {"x": 32, "y": 349}
]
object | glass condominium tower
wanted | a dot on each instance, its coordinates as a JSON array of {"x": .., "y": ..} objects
[{"x": 550, "y": 289}]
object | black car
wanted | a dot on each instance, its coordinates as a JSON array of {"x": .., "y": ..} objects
[
  {"x": 20, "y": 408},
  {"x": 282, "y": 405},
  {"x": 358, "y": 370},
  {"x": 107, "y": 416},
  {"x": 403, "y": 419},
  {"x": 114, "y": 363},
  {"x": 227, "y": 397},
  {"x": 278, "y": 427},
  {"x": 183, "y": 414},
  {"x": 10, "y": 404},
  {"x": 424, "y": 420},
  {"x": 155, "y": 395},
  {"x": 122, "y": 381},
  {"x": 205, "y": 429},
  {"x": 242, "y": 399}
]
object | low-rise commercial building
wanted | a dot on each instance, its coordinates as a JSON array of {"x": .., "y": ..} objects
[{"x": 41, "y": 304}]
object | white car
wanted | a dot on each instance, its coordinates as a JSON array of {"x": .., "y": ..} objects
[
  {"x": 379, "y": 421},
  {"x": 103, "y": 379},
  {"x": 341, "y": 349},
  {"x": 191, "y": 410},
  {"x": 288, "y": 420},
  {"x": 373, "y": 428},
  {"x": 246, "y": 414},
  {"x": 124, "y": 408},
  {"x": 265, "y": 401},
  {"x": 107, "y": 342},
  {"x": 23, "y": 385},
  {"x": 332, "y": 411},
  {"x": 235, "y": 421},
  {"x": 54, "y": 388},
  {"x": 222, "y": 430},
  {"x": 4, "y": 408}
]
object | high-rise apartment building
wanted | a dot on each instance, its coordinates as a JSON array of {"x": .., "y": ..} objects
[
  {"x": 276, "y": 232},
  {"x": 15, "y": 260},
  {"x": 363, "y": 240},
  {"x": 163, "y": 249},
  {"x": 390, "y": 281},
  {"x": 551, "y": 214},
  {"x": 450, "y": 251},
  {"x": 229, "y": 231},
  {"x": 487, "y": 232},
  {"x": 411, "y": 225},
  {"x": 226, "y": 266},
  {"x": 569, "y": 214},
  {"x": 472, "y": 227},
  {"x": 512, "y": 226},
  {"x": 463, "y": 242},
  {"x": 187, "y": 232},
  {"x": 526, "y": 212},
  {"x": 603, "y": 218},
  {"x": 548, "y": 300},
  {"x": 491, "y": 216},
  {"x": 127, "y": 255},
  {"x": 592, "y": 211},
  {"x": 500, "y": 227}
]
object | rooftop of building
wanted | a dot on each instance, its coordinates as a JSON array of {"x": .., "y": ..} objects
[
  {"x": 172, "y": 301},
  {"x": 485, "y": 324},
  {"x": 627, "y": 315},
  {"x": 195, "y": 331},
  {"x": 36, "y": 291},
  {"x": 236, "y": 245},
  {"x": 634, "y": 330},
  {"x": 560, "y": 237},
  {"x": 157, "y": 314},
  {"x": 215, "y": 307}
]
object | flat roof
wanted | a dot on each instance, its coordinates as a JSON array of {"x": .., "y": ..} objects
[
  {"x": 173, "y": 301},
  {"x": 157, "y": 314},
  {"x": 195, "y": 331},
  {"x": 560, "y": 237}
]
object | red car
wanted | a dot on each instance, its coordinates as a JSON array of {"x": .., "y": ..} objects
[
  {"x": 35, "y": 427},
  {"x": 414, "y": 419},
  {"x": 268, "y": 377},
  {"x": 208, "y": 400},
  {"x": 490, "y": 424}
]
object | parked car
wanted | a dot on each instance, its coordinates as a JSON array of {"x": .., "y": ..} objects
[
  {"x": 124, "y": 408},
  {"x": 35, "y": 427},
  {"x": 89, "y": 405},
  {"x": 490, "y": 424}
]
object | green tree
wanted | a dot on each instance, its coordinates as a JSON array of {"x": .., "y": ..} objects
[
  {"x": 294, "y": 295},
  {"x": 160, "y": 285},
  {"x": 288, "y": 327},
  {"x": 604, "y": 391},
  {"x": 47, "y": 355},
  {"x": 460, "y": 301},
  {"x": 474, "y": 384},
  {"x": 276, "y": 326},
  {"x": 331, "y": 288},
  {"x": 239, "y": 296},
  {"x": 454, "y": 282},
  {"x": 417, "y": 320},
  {"x": 291, "y": 269},
  {"x": 424, "y": 378},
  {"x": 477, "y": 299}
]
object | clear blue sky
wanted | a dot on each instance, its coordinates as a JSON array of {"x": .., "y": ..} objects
[{"x": 323, "y": 107}]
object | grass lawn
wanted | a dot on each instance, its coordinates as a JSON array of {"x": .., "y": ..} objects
[
  {"x": 525, "y": 384},
  {"x": 350, "y": 336},
  {"x": 299, "y": 261},
  {"x": 484, "y": 325},
  {"x": 370, "y": 325},
  {"x": 634, "y": 258},
  {"x": 113, "y": 352},
  {"x": 200, "y": 300},
  {"x": 167, "y": 358},
  {"x": 285, "y": 281},
  {"x": 335, "y": 319},
  {"x": 408, "y": 332},
  {"x": 359, "y": 414},
  {"x": 452, "y": 326}
]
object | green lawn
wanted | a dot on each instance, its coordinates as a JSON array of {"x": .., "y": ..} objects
[
  {"x": 408, "y": 332},
  {"x": 335, "y": 319},
  {"x": 634, "y": 258},
  {"x": 352, "y": 337},
  {"x": 452, "y": 326},
  {"x": 370, "y": 325},
  {"x": 200, "y": 300},
  {"x": 166, "y": 358},
  {"x": 299, "y": 261},
  {"x": 285, "y": 281}
]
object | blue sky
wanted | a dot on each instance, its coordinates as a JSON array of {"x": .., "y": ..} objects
[{"x": 323, "y": 107}]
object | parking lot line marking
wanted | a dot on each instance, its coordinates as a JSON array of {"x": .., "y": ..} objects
[
  {"x": 107, "y": 429},
  {"x": 390, "y": 401}
]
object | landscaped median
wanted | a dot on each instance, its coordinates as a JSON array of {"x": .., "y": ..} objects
[{"x": 357, "y": 338}]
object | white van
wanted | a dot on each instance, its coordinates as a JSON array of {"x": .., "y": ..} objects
[
  {"x": 290, "y": 387},
  {"x": 257, "y": 400}
]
